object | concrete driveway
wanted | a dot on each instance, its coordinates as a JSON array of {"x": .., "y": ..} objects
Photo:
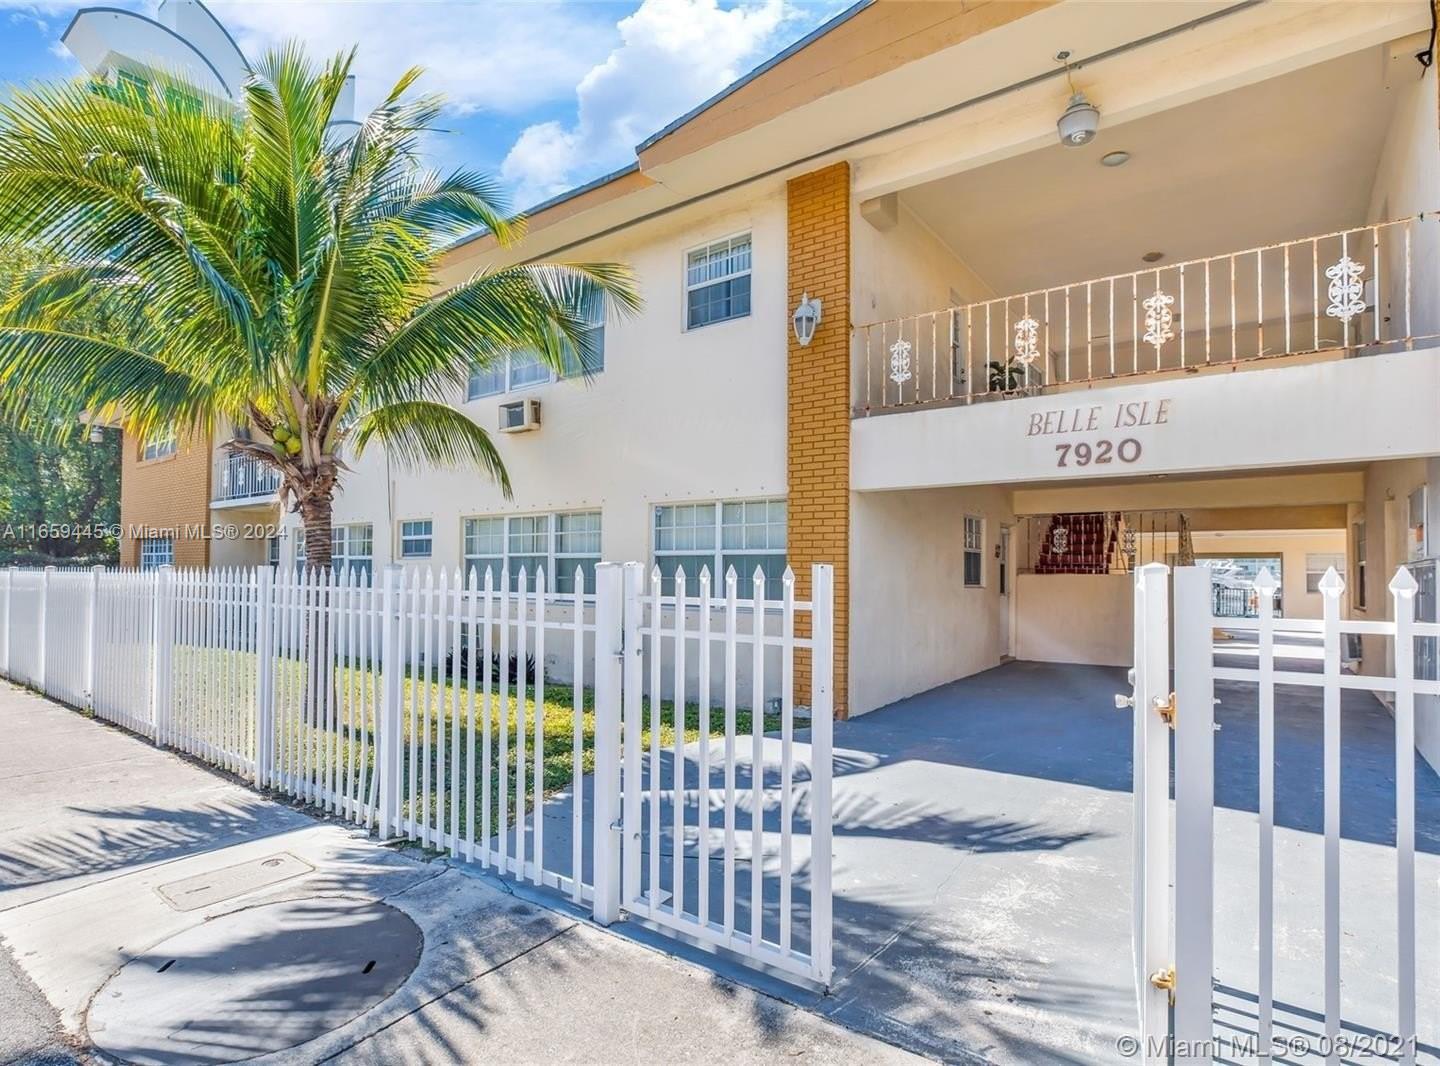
[{"x": 982, "y": 867}]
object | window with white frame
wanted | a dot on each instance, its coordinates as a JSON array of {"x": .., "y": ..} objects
[
  {"x": 1316, "y": 563},
  {"x": 521, "y": 369},
  {"x": 272, "y": 551},
  {"x": 159, "y": 446},
  {"x": 157, "y": 552},
  {"x": 717, "y": 282},
  {"x": 417, "y": 538},
  {"x": 745, "y": 534},
  {"x": 974, "y": 560},
  {"x": 352, "y": 547},
  {"x": 561, "y": 543}
]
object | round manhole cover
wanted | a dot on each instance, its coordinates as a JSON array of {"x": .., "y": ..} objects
[{"x": 256, "y": 981}]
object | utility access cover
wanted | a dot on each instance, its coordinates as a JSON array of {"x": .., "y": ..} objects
[{"x": 255, "y": 981}]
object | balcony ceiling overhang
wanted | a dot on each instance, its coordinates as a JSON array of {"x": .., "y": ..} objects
[{"x": 1283, "y": 158}]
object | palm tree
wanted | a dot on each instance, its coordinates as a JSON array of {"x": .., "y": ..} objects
[{"x": 257, "y": 270}]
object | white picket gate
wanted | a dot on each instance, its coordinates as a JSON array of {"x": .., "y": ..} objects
[
  {"x": 412, "y": 707},
  {"x": 1175, "y": 932}
]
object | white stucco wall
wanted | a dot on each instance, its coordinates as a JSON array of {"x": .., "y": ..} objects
[
  {"x": 1370, "y": 408},
  {"x": 675, "y": 416},
  {"x": 913, "y": 623},
  {"x": 1075, "y": 618}
]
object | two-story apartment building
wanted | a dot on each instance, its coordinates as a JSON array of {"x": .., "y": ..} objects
[{"x": 1096, "y": 284}]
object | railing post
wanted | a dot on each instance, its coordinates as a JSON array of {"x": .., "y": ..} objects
[
  {"x": 161, "y": 639},
  {"x": 633, "y": 580},
  {"x": 1194, "y": 718},
  {"x": 609, "y": 655},
  {"x": 264, "y": 676},
  {"x": 389, "y": 739},
  {"x": 822, "y": 724},
  {"x": 92, "y": 634},
  {"x": 10, "y": 576},
  {"x": 40, "y": 635}
]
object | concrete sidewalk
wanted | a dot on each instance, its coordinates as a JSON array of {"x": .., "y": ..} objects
[{"x": 118, "y": 860}]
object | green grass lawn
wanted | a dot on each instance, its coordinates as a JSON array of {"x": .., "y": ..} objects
[{"x": 228, "y": 674}]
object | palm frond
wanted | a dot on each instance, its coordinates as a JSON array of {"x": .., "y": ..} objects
[{"x": 418, "y": 432}]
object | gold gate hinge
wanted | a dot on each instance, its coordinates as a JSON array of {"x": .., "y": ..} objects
[
  {"x": 1165, "y": 979},
  {"x": 1165, "y": 706}
]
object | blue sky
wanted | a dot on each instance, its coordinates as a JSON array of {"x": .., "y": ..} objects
[{"x": 545, "y": 93}]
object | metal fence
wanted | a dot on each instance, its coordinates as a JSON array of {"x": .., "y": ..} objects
[
  {"x": 1348, "y": 291},
  {"x": 472, "y": 716}
]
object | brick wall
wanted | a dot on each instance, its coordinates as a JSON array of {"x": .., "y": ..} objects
[
  {"x": 169, "y": 493},
  {"x": 819, "y": 401}
]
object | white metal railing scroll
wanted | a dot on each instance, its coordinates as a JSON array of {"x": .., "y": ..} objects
[{"x": 1347, "y": 291}]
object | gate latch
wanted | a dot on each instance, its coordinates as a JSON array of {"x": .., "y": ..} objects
[
  {"x": 1165, "y": 706},
  {"x": 1165, "y": 979}
]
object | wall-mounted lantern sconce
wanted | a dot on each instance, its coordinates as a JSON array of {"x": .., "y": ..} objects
[{"x": 807, "y": 317}]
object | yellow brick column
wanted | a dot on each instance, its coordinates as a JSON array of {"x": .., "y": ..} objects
[{"x": 819, "y": 402}]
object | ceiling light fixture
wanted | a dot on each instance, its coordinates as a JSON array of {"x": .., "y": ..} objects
[
  {"x": 1153, "y": 257},
  {"x": 1080, "y": 121},
  {"x": 1114, "y": 159}
]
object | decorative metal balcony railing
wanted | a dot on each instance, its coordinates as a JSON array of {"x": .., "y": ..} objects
[
  {"x": 1355, "y": 291},
  {"x": 243, "y": 478}
]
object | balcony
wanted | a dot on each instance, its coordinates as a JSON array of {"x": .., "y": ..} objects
[
  {"x": 1336, "y": 295},
  {"x": 242, "y": 479},
  {"x": 1141, "y": 374}
]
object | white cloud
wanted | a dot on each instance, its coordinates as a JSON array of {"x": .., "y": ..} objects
[
  {"x": 673, "y": 54},
  {"x": 496, "y": 55}
]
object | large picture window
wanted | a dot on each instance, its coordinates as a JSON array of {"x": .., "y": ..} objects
[
  {"x": 353, "y": 548},
  {"x": 717, "y": 282},
  {"x": 561, "y": 543},
  {"x": 745, "y": 534}
]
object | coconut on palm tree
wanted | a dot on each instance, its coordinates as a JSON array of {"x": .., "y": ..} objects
[{"x": 257, "y": 270}]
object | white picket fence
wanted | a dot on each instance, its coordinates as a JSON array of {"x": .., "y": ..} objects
[
  {"x": 1175, "y": 932},
  {"x": 411, "y": 708}
]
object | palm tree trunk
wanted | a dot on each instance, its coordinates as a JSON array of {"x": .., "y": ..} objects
[{"x": 316, "y": 514}]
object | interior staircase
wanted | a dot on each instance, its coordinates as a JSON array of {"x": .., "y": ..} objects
[{"x": 1078, "y": 543}]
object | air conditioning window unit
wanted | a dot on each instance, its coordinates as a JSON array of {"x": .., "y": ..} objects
[{"x": 519, "y": 416}]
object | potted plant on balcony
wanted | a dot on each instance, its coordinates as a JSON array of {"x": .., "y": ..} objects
[{"x": 1007, "y": 378}]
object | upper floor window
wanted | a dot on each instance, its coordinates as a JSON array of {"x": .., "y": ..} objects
[
  {"x": 561, "y": 543},
  {"x": 1317, "y": 563},
  {"x": 745, "y": 534},
  {"x": 159, "y": 446},
  {"x": 417, "y": 539},
  {"x": 156, "y": 552},
  {"x": 717, "y": 282},
  {"x": 522, "y": 369}
]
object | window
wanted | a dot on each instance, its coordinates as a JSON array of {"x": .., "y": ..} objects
[
  {"x": 745, "y": 534},
  {"x": 1416, "y": 547},
  {"x": 974, "y": 562},
  {"x": 159, "y": 446},
  {"x": 417, "y": 539},
  {"x": 132, "y": 89},
  {"x": 717, "y": 282},
  {"x": 156, "y": 552},
  {"x": 1357, "y": 590},
  {"x": 560, "y": 543},
  {"x": 272, "y": 551},
  {"x": 522, "y": 369},
  {"x": 1316, "y": 563},
  {"x": 353, "y": 548}
]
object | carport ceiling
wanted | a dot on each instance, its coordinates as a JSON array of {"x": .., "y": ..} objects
[{"x": 1285, "y": 158}]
